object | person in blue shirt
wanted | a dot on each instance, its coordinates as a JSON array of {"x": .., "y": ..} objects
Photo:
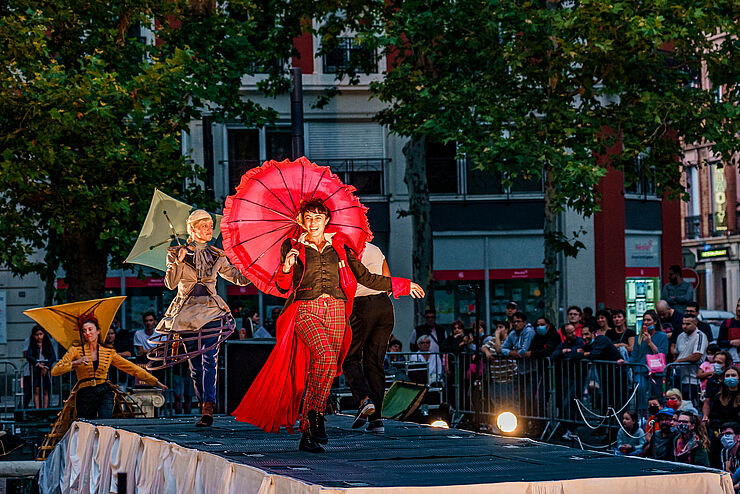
[
  {"x": 652, "y": 341},
  {"x": 518, "y": 341}
]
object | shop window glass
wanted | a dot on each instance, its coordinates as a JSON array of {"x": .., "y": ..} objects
[
  {"x": 526, "y": 293},
  {"x": 456, "y": 300}
]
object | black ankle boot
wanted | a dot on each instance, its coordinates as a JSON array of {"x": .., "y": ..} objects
[
  {"x": 316, "y": 426},
  {"x": 309, "y": 444},
  {"x": 319, "y": 432}
]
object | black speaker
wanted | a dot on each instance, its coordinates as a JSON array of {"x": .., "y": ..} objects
[{"x": 243, "y": 361}]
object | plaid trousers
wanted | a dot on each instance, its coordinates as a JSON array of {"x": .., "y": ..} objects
[{"x": 320, "y": 323}]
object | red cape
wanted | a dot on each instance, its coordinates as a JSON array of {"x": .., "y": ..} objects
[{"x": 274, "y": 399}]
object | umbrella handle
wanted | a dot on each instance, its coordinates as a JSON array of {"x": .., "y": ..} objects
[{"x": 172, "y": 228}]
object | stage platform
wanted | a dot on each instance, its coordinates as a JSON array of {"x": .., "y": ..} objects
[{"x": 174, "y": 456}]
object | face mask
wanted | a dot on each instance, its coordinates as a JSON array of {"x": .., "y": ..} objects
[
  {"x": 731, "y": 381},
  {"x": 541, "y": 330},
  {"x": 672, "y": 404},
  {"x": 727, "y": 440},
  {"x": 653, "y": 410},
  {"x": 674, "y": 429},
  {"x": 650, "y": 328},
  {"x": 717, "y": 368},
  {"x": 682, "y": 428}
]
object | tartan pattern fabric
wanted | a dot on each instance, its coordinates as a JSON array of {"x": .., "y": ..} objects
[{"x": 320, "y": 323}]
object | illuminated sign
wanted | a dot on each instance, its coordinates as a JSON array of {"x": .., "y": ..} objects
[{"x": 710, "y": 254}]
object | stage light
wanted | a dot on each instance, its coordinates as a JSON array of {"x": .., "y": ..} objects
[
  {"x": 440, "y": 424},
  {"x": 506, "y": 422}
]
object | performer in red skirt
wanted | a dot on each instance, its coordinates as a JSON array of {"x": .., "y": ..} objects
[{"x": 320, "y": 274}]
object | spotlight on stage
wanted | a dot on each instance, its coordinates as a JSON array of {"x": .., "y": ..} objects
[
  {"x": 440, "y": 424},
  {"x": 506, "y": 422}
]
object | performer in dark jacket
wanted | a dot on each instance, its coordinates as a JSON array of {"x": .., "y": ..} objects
[{"x": 320, "y": 275}]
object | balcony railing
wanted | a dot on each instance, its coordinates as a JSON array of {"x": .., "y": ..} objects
[
  {"x": 365, "y": 174},
  {"x": 692, "y": 227}
]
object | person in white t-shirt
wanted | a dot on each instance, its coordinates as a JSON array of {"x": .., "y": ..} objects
[
  {"x": 142, "y": 336},
  {"x": 372, "y": 321},
  {"x": 690, "y": 351}
]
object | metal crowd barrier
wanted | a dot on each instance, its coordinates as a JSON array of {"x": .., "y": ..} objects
[{"x": 22, "y": 395}]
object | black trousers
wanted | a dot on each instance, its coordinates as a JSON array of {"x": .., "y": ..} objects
[
  {"x": 95, "y": 402},
  {"x": 372, "y": 322}
]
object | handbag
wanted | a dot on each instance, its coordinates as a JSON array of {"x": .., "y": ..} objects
[{"x": 656, "y": 363}]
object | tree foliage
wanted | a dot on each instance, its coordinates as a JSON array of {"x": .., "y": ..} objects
[
  {"x": 92, "y": 113},
  {"x": 560, "y": 90}
]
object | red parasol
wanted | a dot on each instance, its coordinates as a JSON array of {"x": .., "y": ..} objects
[{"x": 262, "y": 214}]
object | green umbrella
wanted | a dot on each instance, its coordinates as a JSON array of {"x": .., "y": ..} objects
[{"x": 165, "y": 225}]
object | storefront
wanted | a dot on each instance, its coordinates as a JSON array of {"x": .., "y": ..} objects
[
  {"x": 642, "y": 275},
  {"x": 512, "y": 271}
]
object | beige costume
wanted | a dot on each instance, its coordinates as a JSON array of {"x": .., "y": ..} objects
[{"x": 194, "y": 306}]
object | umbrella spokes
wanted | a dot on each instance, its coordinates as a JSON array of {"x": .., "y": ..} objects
[
  {"x": 259, "y": 235},
  {"x": 254, "y": 245},
  {"x": 278, "y": 241},
  {"x": 345, "y": 208},
  {"x": 265, "y": 207},
  {"x": 268, "y": 189},
  {"x": 287, "y": 189},
  {"x": 168, "y": 241}
]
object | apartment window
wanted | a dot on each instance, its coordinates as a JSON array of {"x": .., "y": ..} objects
[
  {"x": 347, "y": 52},
  {"x": 641, "y": 181},
  {"x": 448, "y": 175},
  {"x": 244, "y": 154},
  {"x": 441, "y": 161},
  {"x": 481, "y": 181}
]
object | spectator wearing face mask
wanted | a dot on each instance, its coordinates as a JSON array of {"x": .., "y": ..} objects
[
  {"x": 725, "y": 406},
  {"x": 728, "y": 437},
  {"x": 674, "y": 399},
  {"x": 719, "y": 363},
  {"x": 630, "y": 438},
  {"x": 659, "y": 445},
  {"x": 545, "y": 340},
  {"x": 691, "y": 444},
  {"x": 654, "y": 406}
]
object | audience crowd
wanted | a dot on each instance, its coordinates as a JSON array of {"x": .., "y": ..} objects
[{"x": 686, "y": 403}]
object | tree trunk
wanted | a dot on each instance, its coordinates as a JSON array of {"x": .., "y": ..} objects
[
  {"x": 421, "y": 218},
  {"x": 552, "y": 274},
  {"x": 85, "y": 266}
]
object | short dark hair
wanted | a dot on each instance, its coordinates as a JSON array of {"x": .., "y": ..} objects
[
  {"x": 731, "y": 425},
  {"x": 147, "y": 314},
  {"x": 691, "y": 316},
  {"x": 520, "y": 315},
  {"x": 314, "y": 206},
  {"x": 618, "y": 311},
  {"x": 430, "y": 311},
  {"x": 713, "y": 347},
  {"x": 675, "y": 269},
  {"x": 695, "y": 305},
  {"x": 575, "y": 307}
]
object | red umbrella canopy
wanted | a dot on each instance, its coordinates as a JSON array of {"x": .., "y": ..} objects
[{"x": 263, "y": 211}]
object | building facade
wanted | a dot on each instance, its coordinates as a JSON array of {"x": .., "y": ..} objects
[
  {"x": 487, "y": 237},
  {"x": 711, "y": 219}
]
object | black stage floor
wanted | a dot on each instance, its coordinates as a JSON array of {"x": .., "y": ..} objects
[{"x": 406, "y": 455}]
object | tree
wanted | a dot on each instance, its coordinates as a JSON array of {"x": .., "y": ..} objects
[
  {"x": 561, "y": 91},
  {"x": 91, "y": 117}
]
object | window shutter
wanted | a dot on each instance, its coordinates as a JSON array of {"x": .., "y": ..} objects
[{"x": 344, "y": 140}]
